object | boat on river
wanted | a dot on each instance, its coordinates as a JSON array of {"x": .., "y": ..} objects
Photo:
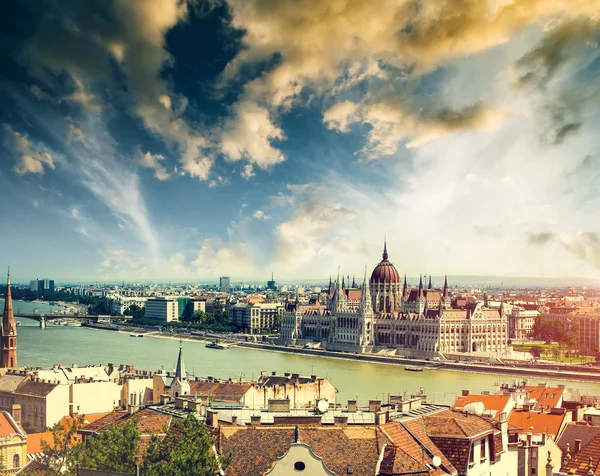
[
  {"x": 410, "y": 368},
  {"x": 217, "y": 345},
  {"x": 136, "y": 335}
]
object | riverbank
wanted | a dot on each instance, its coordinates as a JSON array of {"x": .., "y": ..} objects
[{"x": 484, "y": 368}]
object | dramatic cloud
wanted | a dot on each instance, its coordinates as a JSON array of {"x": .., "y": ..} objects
[
  {"x": 30, "y": 160},
  {"x": 390, "y": 124},
  {"x": 248, "y": 135},
  {"x": 79, "y": 43}
]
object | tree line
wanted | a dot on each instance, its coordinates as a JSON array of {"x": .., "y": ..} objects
[{"x": 186, "y": 449}]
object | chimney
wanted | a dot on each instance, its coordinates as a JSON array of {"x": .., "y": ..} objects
[
  {"x": 577, "y": 446},
  {"x": 465, "y": 393},
  {"x": 234, "y": 420},
  {"x": 351, "y": 406},
  {"x": 340, "y": 420},
  {"x": 212, "y": 417},
  {"x": 374, "y": 405},
  {"x": 15, "y": 411},
  {"x": 380, "y": 418},
  {"x": 255, "y": 420},
  {"x": 164, "y": 399}
]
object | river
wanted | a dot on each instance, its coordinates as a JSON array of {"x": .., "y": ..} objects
[{"x": 361, "y": 380}]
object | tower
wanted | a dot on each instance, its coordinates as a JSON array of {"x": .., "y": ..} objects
[
  {"x": 180, "y": 385},
  {"x": 8, "y": 354},
  {"x": 446, "y": 295},
  {"x": 366, "y": 315}
]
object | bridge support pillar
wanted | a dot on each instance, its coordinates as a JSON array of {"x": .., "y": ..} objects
[{"x": 42, "y": 322}]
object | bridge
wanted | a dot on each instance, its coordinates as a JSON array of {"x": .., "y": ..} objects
[
  {"x": 42, "y": 318},
  {"x": 38, "y": 316}
]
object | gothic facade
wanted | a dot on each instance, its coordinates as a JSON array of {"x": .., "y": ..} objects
[{"x": 386, "y": 313}]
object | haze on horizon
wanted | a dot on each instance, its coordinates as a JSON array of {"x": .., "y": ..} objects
[{"x": 193, "y": 139}]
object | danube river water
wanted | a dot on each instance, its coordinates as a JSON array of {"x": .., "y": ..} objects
[{"x": 361, "y": 380}]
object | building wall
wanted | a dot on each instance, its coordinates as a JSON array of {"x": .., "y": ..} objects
[
  {"x": 300, "y": 395},
  {"x": 162, "y": 309},
  {"x": 42, "y": 412},
  {"x": 138, "y": 391},
  {"x": 95, "y": 397},
  {"x": 13, "y": 445}
]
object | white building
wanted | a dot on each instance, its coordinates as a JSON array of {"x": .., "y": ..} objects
[
  {"x": 118, "y": 304},
  {"x": 162, "y": 309}
]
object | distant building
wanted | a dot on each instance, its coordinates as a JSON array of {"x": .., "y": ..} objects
[
  {"x": 48, "y": 287},
  {"x": 42, "y": 287},
  {"x": 385, "y": 313},
  {"x": 224, "y": 284},
  {"x": 162, "y": 309},
  {"x": 256, "y": 317},
  {"x": 271, "y": 286},
  {"x": 118, "y": 304}
]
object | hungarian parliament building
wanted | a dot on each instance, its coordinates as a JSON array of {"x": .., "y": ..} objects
[{"x": 385, "y": 313}]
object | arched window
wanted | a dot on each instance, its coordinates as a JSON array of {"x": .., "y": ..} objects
[{"x": 16, "y": 461}]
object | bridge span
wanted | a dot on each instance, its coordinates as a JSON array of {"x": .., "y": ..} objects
[{"x": 38, "y": 316}]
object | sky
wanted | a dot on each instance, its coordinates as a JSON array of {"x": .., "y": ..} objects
[{"x": 173, "y": 139}]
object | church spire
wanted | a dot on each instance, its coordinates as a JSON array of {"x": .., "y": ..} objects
[
  {"x": 8, "y": 356},
  {"x": 421, "y": 294},
  {"x": 353, "y": 282},
  {"x": 385, "y": 253},
  {"x": 180, "y": 369},
  {"x": 405, "y": 287},
  {"x": 446, "y": 287},
  {"x": 430, "y": 286},
  {"x": 365, "y": 298}
]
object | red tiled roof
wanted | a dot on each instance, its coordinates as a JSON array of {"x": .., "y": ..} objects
[
  {"x": 580, "y": 463},
  {"x": 539, "y": 422},
  {"x": 8, "y": 426},
  {"x": 545, "y": 397},
  {"x": 490, "y": 402},
  {"x": 413, "y": 448},
  {"x": 255, "y": 450},
  {"x": 149, "y": 422},
  {"x": 396, "y": 461},
  {"x": 224, "y": 391},
  {"x": 456, "y": 424},
  {"x": 35, "y": 389}
]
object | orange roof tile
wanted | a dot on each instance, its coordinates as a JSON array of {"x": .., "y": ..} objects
[
  {"x": 545, "y": 397},
  {"x": 8, "y": 426},
  {"x": 540, "y": 422},
  {"x": 588, "y": 458},
  {"x": 497, "y": 403}
]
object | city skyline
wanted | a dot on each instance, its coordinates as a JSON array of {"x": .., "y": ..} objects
[{"x": 192, "y": 140}]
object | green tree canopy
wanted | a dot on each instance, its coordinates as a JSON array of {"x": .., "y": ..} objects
[
  {"x": 115, "y": 449},
  {"x": 187, "y": 449}
]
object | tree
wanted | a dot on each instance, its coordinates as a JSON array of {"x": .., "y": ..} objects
[
  {"x": 536, "y": 351},
  {"x": 136, "y": 312},
  {"x": 60, "y": 457},
  {"x": 187, "y": 449},
  {"x": 115, "y": 449},
  {"x": 571, "y": 341}
]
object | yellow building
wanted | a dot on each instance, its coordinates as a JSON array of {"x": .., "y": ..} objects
[{"x": 13, "y": 442}]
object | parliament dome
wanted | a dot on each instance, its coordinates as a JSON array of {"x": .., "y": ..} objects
[{"x": 385, "y": 272}]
